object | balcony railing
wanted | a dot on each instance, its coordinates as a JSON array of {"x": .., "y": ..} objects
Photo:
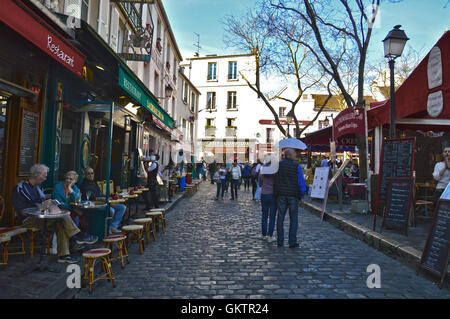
[
  {"x": 210, "y": 130},
  {"x": 230, "y": 131}
]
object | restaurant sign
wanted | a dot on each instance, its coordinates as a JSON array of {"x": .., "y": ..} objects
[
  {"x": 135, "y": 57},
  {"x": 347, "y": 122},
  {"x": 29, "y": 25},
  {"x": 133, "y": 88}
]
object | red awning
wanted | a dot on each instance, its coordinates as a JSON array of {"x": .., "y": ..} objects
[
  {"x": 28, "y": 24},
  {"x": 428, "y": 86}
]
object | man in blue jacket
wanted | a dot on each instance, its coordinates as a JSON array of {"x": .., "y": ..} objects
[
  {"x": 246, "y": 175},
  {"x": 289, "y": 188}
]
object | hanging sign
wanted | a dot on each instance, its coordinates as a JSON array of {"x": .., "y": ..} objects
[
  {"x": 135, "y": 57},
  {"x": 347, "y": 122}
]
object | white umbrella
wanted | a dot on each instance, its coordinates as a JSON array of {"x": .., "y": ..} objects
[{"x": 292, "y": 143}]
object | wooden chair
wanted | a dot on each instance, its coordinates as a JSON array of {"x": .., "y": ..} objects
[
  {"x": 90, "y": 257},
  {"x": 4, "y": 242},
  {"x": 148, "y": 228},
  {"x": 134, "y": 233},
  {"x": 121, "y": 247},
  {"x": 158, "y": 217}
]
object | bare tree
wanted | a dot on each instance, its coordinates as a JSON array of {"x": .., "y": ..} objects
[
  {"x": 274, "y": 50},
  {"x": 380, "y": 73},
  {"x": 340, "y": 29}
]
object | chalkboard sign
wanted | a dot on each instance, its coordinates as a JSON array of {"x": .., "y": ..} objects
[
  {"x": 28, "y": 145},
  {"x": 396, "y": 214},
  {"x": 435, "y": 254},
  {"x": 397, "y": 160}
]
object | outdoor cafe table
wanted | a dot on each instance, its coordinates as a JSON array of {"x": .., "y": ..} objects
[
  {"x": 44, "y": 215},
  {"x": 356, "y": 190},
  {"x": 96, "y": 217}
]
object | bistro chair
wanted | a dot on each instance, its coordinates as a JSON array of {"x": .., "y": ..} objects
[
  {"x": 134, "y": 233},
  {"x": 158, "y": 216},
  {"x": 4, "y": 242},
  {"x": 121, "y": 247},
  {"x": 13, "y": 232},
  {"x": 148, "y": 228},
  {"x": 90, "y": 257}
]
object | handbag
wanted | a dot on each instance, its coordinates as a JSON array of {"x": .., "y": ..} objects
[{"x": 159, "y": 180}]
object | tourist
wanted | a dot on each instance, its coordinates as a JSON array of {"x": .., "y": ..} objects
[
  {"x": 236, "y": 174},
  {"x": 221, "y": 175},
  {"x": 246, "y": 176},
  {"x": 28, "y": 194},
  {"x": 441, "y": 174},
  {"x": 289, "y": 188},
  {"x": 268, "y": 202}
]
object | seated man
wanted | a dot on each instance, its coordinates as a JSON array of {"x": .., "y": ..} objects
[
  {"x": 27, "y": 194},
  {"x": 89, "y": 185}
]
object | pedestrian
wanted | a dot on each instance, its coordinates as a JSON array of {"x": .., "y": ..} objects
[
  {"x": 254, "y": 177},
  {"x": 212, "y": 169},
  {"x": 289, "y": 188},
  {"x": 441, "y": 174},
  {"x": 268, "y": 202},
  {"x": 152, "y": 172},
  {"x": 227, "y": 178},
  {"x": 246, "y": 176},
  {"x": 325, "y": 162},
  {"x": 236, "y": 174},
  {"x": 221, "y": 175}
]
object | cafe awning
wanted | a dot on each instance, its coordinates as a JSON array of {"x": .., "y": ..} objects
[
  {"x": 19, "y": 17},
  {"x": 319, "y": 141},
  {"x": 424, "y": 95}
]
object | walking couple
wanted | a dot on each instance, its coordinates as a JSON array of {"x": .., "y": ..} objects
[
  {"x": 282, "y": 191},
  {"x": 220, "y": 177}
]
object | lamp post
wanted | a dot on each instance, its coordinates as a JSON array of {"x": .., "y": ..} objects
[
  {"x": 394, "y": 43},
  {"x": 289, "y": 118}
]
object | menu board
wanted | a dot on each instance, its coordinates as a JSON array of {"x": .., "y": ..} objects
[
  {"x": 398, "y": 201},
  {"x": 435, "y": 254},
  {"x": 397, "y": 160},
  {"x": 28, "y": 144}
]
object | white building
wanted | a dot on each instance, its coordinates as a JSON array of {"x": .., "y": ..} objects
[{"x": 232, "y": 122}]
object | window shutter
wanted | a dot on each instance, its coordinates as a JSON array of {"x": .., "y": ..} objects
[
  {"x": 73, "y": 8},
  {"x": 113, "y": 39},
  {"x": 103, "y": 15}
]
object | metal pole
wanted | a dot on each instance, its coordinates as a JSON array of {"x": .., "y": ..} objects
[
  {"x": 108, "y": 161},
  {"x": 392, "y": 97},
  {"x": 369, "y": 186}
]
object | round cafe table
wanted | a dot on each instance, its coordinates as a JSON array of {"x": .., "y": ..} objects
[
  {"x": 44, "y": 215},
  {"x": 96, "y": 215}
]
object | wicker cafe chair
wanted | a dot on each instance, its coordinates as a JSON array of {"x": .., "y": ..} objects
[{"x": 90, "y": 257}]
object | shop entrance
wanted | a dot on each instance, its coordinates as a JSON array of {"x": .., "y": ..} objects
[{"x": 4, "y": 103}]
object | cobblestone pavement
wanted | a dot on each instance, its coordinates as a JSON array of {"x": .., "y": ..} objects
[{"x": 213, "y": 249}]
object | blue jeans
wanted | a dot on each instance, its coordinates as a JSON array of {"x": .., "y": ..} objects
[
  {"x": 269, "y": 210},
  {"x": 234, "y": 188},
  {"x": 284, "y": 203},
  {"x": 117, "y": 213},
  {"x": 220, "y": 186}
]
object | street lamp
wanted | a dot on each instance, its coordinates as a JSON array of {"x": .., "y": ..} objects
[
  {"x": 394, "y": 43},
  {"x": 289, "y": 118}
]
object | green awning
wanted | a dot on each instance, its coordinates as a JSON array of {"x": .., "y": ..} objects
[{"x": 135, "y": 90}]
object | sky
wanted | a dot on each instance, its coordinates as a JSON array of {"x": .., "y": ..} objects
[{"x": 424, "y": 22}]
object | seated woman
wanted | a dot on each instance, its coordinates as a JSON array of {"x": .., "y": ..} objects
[{"x": 67, "y": 192}]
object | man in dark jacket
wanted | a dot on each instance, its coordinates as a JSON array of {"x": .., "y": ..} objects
[
  {"x": 90, "y": 185},
  {"x": 152, "y": 173},
  {"x": 289, "y": 188}
]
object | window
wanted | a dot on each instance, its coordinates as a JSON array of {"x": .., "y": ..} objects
[
  {"x": 231, "y": 102},
  {"x": 192, "y": 102},
  {"x": 185, "y": 92},
  {"x": 232, "y": 70},
  {"x": 269, "y": 135},
  {"x": 231, "y": 122},
  {"x": 230, "y": 129},
  {"x": 282, "y": 111},
  {"x": 211, "y": 100},
  {"x": 212, "y": 71},
  {"x": 210, "y": 122}
]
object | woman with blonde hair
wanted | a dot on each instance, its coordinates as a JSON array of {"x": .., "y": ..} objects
[{"x": 67, "y": 192}]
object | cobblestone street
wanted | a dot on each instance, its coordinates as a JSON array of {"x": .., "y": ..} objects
[{"x": 213, "y": 249}]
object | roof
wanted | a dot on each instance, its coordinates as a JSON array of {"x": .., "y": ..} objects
[
  {"x": 220, "y": 56},
  {"x": 336, "y": 102}
]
